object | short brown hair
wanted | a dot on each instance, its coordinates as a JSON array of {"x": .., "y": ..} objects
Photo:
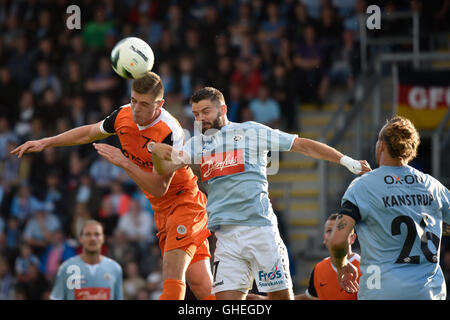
[
  {"x": 149, "y": 84},
  {"x": 401, "y": 137},
  {"x": 207, "y": 93}
]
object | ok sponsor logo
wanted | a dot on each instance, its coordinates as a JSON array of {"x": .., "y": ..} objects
[{"x": 408, "y": 179}]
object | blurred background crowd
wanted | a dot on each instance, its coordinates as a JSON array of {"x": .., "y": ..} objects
[{"x": 267, "y": 57}]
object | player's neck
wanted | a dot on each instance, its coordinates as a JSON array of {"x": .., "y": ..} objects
[
  {"x": 90, "y": 258},
  {"x": 392, "y": 162}
]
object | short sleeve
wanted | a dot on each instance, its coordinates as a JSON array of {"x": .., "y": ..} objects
[
  {"x": 311, "y": 290},
  {"x": 349, "y": 201},
  {"x": 118, "y": 285},
  {"x": 274, "y": 139},
  {"x": 59, "y": 285},
  {"x": 108, "y": 124}
]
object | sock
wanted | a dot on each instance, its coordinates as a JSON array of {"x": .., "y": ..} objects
[
  {"x": 210, "y": 297},
  {"x": 173, "y": 289}
]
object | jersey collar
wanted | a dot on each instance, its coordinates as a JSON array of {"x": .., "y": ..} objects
[{"x": 153, "y": 122}]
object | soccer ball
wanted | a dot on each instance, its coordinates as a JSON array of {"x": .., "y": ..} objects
[{"x": 132, "y": 58}]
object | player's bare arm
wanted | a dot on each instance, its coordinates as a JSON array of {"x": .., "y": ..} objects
[
  {"x": 347, "y": 273},
  {"x": 322, "y": 151},
  {"x": 152, "y": 182},
  {"x": 81, "y": 135},
  {"x": 166, "y": 159}
]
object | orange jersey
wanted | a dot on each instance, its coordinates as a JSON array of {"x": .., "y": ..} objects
[
  {"x": 324, "y": 285},
  {"x": 134, "y": 141},
  {"x": 180, "y": 214}
]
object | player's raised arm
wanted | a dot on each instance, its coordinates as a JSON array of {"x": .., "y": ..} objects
[
  {"x": 152, "y": 182},
  {"x": 81, "y": 135},
  {"x": 322, "y": 151}
]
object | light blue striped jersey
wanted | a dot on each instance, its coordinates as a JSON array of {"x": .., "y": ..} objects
[
  {"x": 77, "y": 280},
  {"x": 233, "y": 164},
  {"x": 399, "y": 227}
]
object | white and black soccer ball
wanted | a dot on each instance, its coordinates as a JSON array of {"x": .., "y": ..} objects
[{"x": 132, "y": 58}]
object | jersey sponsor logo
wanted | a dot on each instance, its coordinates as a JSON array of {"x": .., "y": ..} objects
[
  {"x": 222, "y": 164},
  {"x": 137, "y": 160},
  {"x": 93, "y": 294},
  {"x": 408, "y": 179},
  {"x": 408, "y": 200}
]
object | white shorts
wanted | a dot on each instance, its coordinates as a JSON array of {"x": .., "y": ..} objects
[{"x": 244, "y": 254}]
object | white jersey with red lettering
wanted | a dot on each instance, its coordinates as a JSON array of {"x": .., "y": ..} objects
[
  {"x": 233, "y": 164},
  {"x": 77, "y": 280}
]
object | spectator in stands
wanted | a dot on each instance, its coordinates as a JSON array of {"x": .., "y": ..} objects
[
  {"x": 247, "y": 77},
  {"x": 36, "y": 284},
  {"x": 27, "y": 111},
  {"x": 132, "y": 282},
  {"x": 80, "y": 216},
  {"x": 20, "y": 62},
  {"x": 104, "y": 80},
  {"x": 137, "y": 225},
  {"x": 103, "y": 173},
  {"x": 282, "y": 88},
  {"x": 95, "y": 31},
  {"x": 23, "y": 204},
  {"x": 155, "y": 281},
  {"x": 308, "y": 62},
  {"x": 45, "y": 79},
  {"x": 13, "y": 235},
  {"x": 264, "y": 109},
  {"x": 79, "y": 53},
  {"x": 273, "y": 27},
  {"x": 7, "y": 281},
  {"x": 6, "y": 136},
  {"x": 300, "y": 19},
  {"x": 57, "y": 251},
  {"x": 39, "y": 228},
  {"x": 9, "y": 93},
  {"x": 23, "y": 262},
  {"x": 345, "y": 63},
  {"x": 72, "y": 83}
]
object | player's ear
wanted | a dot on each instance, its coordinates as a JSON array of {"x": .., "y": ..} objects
[
  {"x": 160, "y": 103},
  {"x": 224, "y": 109},
  {"x": 352, "y": 238}
]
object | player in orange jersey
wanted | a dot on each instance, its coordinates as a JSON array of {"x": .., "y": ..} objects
[
  {"x": 323, "y": 283},
  {"x": 179, "y": 205}
]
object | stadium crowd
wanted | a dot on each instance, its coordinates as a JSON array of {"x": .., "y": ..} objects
[{"x": 266, "y": 57}]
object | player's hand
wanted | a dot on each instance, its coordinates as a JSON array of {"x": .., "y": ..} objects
[
  {"x": 29, "y": 146},
  {"x": 112, "y": 154},
  {"x": 163, "y": 151},
  {"x": 348, "y": 278},
  {"x": 365, "y": 167}
]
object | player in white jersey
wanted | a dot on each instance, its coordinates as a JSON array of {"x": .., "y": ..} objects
[
  {"x": 398, "y": 213},
  {"x": 232, "y": 159},
  {"x": 90, "y": 275}
]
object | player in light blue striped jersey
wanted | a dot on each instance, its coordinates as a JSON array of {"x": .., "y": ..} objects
[
  {"x": 398, "y": 213},
  {"x": 232, "y": 160},
  {"x": 90, "y": 275}
]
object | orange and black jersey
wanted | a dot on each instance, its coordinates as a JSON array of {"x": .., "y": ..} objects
[
  {"x": 323, "y": 283},
  {"x": 134, "y": 139}
]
